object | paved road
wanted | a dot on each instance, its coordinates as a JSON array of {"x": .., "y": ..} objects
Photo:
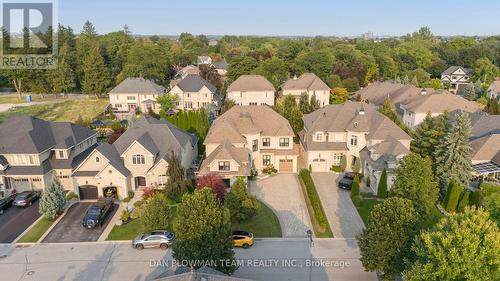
[
  {"x": 282, "y": 193},
  {"x": 340, "y": 211},
  {"x": 15, "y": 221},
  {"x": 70, "y": 229},
  {"x": 118, "y": 261}
]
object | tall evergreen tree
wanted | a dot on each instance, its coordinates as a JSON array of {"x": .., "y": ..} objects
[
  {"x": 453, "y": 154},
  {"x": 492, "y": 107},
  {"x": 304, "y": 105},
  {"x": 314, "y": 103},
  {"x": 478, "y": 87},
  {"x": 84, "y": 42},
  {"x": 62, "y": 78},
  {"x": 52, "y": 200},
  {"x": 429, "y": 134},
  {"x": 177, "y": 184},
  {"x": 470, "y": 92},
  {"x": 382, "y": 185},
  {"x": 95, "y": 73}
]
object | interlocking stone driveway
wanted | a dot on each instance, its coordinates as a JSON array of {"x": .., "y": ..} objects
[
  {"x": 340, "y": 211},
  {"x": 282, "y": 194}
]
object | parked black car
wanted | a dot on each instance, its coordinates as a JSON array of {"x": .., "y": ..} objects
[
  {"x": 346, "y": 181},
  {"x": 5, "y": 203},
  {"x": 26, "y": 198},
  {"x": 97, "y": 213}
]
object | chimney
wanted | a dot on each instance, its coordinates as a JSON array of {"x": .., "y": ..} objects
[{"x": 423, "y": 92}]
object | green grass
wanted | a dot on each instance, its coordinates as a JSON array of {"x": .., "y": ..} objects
[
  {"x": 127, "y": 231},
  {"x": 264, "y": 224},
  {"x": 365, "y": 207},
  {"x": 16, "y": 99},
  {"x": 62, "y": 111},
  {"x": 34, "y": 234},
  {"x": 317, "y": 215}
]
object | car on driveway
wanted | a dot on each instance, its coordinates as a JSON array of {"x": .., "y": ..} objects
[
  {"x": 154, "y": 239},
  {"x": 26, "y": 198},
  {"x": 346, "y": 181},
  {"x": 97, "y": 213},
  {"x": 5, "y": 203},
  {"x": 242, "y": 238}
]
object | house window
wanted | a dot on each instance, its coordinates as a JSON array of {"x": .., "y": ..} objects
[
  {"x": 252, "y": 103},
  {"x": 284, "y": 142},
  {"x": 189, "y": 104},
  {"x": 31, "y": 160},
  {"x": 336, "y": 158},
  {"x": 97, "y": 159},
  {"x": 138, "y": 159},
  {"x": 255, "y": 145},
  {"x": 130, "y": 97},
  {"x": 319, "y": 137},
  {"x": 266, "y": 142},
  {"x": 266, "y": 160},
  {"x": 354, "y": 140},
  {"x": 188, "y": 95},
  {"x": 61, "y": 154},
  {"x": 224, "y": 166}
]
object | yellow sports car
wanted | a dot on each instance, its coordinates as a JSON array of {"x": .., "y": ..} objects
[{"x": 242, "y": 238}]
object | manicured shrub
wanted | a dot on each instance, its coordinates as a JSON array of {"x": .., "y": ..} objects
[
  {"x": 138, "y": 204},
  {"x": 155, "y": 214},
  {"x": 356, "y": 167},
  {"x": 343, "y": 163},
  {"x": 475, "y": 198},
  {"x": 126, "y": 199},
  {"x": 148, "y": 192},
  {"x": 355, "y": 190},
  {"x": 382, "y": 185},
  {"x": 70, "y": 195},
  {"x": 319, "y": 214},
  {"x": 464, "y": 201},
  {"x": 125, "y": 216},
  {"x": 336, "y": 169},
  {"x": 454, "y": 190},
  {"x": 131, "y": 194},
  {"x": 270, "y": 170},
  {"x": 213, "y": 181},
  {"x": 241, "y": 205}
]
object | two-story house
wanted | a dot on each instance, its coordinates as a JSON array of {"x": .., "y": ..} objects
[
  {"x": 356, "y": 132},
  {"x": 204, "y": 60},
  {"x": 251, "y": 90},
  {"x": 494, "y": 89},
  {"x": 194, "y": 92},
  {"x": 135, "y": 93},
  {"x": 246, "y": 139},
  {"x": 34, "y": 151},
  {"x": 309, "y": 84},
  {"x": 137, "y": 159},
  {"x": 456, "y": 78},
  {"x": 412, "y": 103}
]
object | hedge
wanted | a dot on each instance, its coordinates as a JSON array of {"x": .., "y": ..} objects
[{"x": 315, "y": 201}]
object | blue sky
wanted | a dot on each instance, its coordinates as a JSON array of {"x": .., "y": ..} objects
[{"x": 285, "y": 17}]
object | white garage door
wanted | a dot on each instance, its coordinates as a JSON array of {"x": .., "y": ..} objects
[{"x": 319, "y": 165}]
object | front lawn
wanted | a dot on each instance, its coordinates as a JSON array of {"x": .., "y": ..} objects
[
  {"x": 16, "y": 99},
  {"x": 365, "y": 207},
  {"x": 127, "y": 231},
  {"x": 264, "y": 224},
  {"x": 36, "y": 232},
  {"x": 69, "y": 110}
]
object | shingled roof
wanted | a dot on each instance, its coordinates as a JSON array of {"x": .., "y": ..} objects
[
  {"x": 30, "y": 135},
  {"x": 247, "y": 83},
  {"x": 306, "y": 82},
  {"x": 240, "y": 120},
  {"x": 450, "y": 70},
  {"x": 194, "y": 83},
  {"x": 441, "y": 102},
  {"x": 138, "y": 86}
]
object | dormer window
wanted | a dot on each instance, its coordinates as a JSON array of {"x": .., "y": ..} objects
[
  {"x": 138, "y": 160},
  {"x": 224, "y": 166},
  {"x": 319, "y": 137},
  {"x": 61, "y": 154}
]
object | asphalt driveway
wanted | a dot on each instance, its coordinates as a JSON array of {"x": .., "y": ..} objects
[
  {"x": 70, "y": 229},
  {"x": 340, "y": 211},
  {"x": 15, "y": 221}
]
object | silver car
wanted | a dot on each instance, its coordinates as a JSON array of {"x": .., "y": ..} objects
[{"x": 154, "y": 239}]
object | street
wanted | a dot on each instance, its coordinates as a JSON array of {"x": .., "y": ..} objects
[{"x": 268, "y": 259}]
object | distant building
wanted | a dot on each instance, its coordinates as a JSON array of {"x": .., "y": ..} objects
[
  {"x": 194, "y": 92},
  {"x": 135, "y": 93},
  {"x": 494, "y": 89},
  {"x": 221, "y": 67},
  {"x": 309, "y": 84},
  {"x": 204, "y": 60},
  {"x": 251, "y": 90},
  {"x": 456, "y": 77}
]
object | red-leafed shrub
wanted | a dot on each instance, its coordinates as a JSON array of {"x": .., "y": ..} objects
[
  {"x": 213, "y": 181},
  {"x": 148, "y": 192}
]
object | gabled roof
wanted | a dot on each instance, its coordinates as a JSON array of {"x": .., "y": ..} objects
[
  {"x": 138, "y": 86},
  {"x": 390, "y": 147},
  {"x": 109, "y": 151},
  {"x": 342, "y": 117},
  {"x": 190, "y": 69},
  {"x": 73, "y": 160},
  {"x": 485, "y": 148},
  {"x": 227, "y": 151},
  {"x": 377, "y": 93},
  {"x": 496, "y": 85},
  {"x": 452, "y": 69},
  {"x": 306, "y": 82},
  {"x": 482, "y": 123},
  {"x": 246, "y": 83},
  {"x": 157, "y": 135},
  {"x": 29, "y": 135},
  {"x": 242, "y": 120},
  {"x": 194, "y": 83},
  {"x": 221, "y": 65},
  {"x": 441, "y": 102}
]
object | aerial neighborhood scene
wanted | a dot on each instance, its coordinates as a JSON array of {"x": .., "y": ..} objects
[{"x": 155, "y": 140}]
